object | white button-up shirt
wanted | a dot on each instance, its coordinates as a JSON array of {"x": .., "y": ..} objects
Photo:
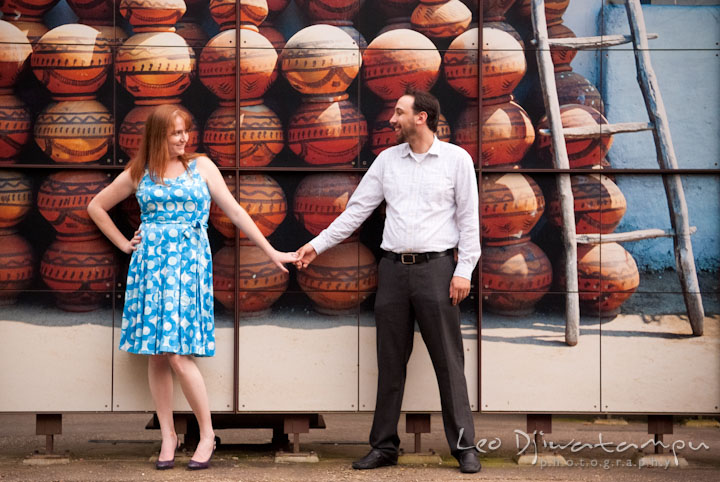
[{"x": 432, "y": 204}]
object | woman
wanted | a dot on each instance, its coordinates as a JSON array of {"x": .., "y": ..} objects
[{"x": 168, "y": 311}]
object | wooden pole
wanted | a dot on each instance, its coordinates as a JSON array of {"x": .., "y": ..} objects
[
  {"x": 679, "y": 216},
  {"x": 552, "y": 108}
]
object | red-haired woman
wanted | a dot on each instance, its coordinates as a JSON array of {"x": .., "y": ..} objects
[{"x": 168, "y": 311}]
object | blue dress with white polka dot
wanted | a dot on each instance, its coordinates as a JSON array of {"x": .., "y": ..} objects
[{"x": 169, "y": 295}]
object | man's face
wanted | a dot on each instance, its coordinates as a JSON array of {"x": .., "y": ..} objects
[{"x": 404, "y": 119}]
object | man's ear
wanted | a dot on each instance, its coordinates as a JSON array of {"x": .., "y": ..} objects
[{"x": 422, "y": 117}]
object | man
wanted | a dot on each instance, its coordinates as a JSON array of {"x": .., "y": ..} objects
[{"x": 431, "y": 193}]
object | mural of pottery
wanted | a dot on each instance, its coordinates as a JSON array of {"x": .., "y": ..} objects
[
  {"x": 77, "y": 131},
  {"x": 383, "y": 135},
  {"x": 327, "y": 131},
  {"x": 33, "y": 31},
  {"x": 581, "y": 152},
  {"x": 340, "y": 278},
  {"x": 511, "y": 206},
  {"x": 503, "y": 64},
  {"x": 16, "y": 267},
  {"x": 72, "y": 61},
  {"x": 219, "y": 136},
  {"x": 133, "y": 126},
  {"x": 15, "y": 52},
  {"x": 131, "y": 211},
  {"x": 253, "y": 12},
  {"x": 398, "y": 59},
  {"x": 599, "y": 204},
  {"x": 260, "y": 282},
  {"x": 507, "y": 134},
  {"x": 216, "y": 66},
  {"x": 16, "y": 199},
  {"x": 330, "y": 9},
  {"x": 262, "y": 136},
  {"x": 441, "y": 18},
  {"x": 320, "y": 198},
  {"x": 192, "y": 32},
  {"x": 155, "y": 67},
  {"x": 320, "y": 60},
  {"x": 348, "y": 28},
  {"x": 15, "y": 126},
  {"x": 258, "y": 63},
  {"x": 554, "y": 10},
  {"x": 275, "y": 7},
  {"x": 514, "y": 278},
  {"x": 607, "y": 277},
  {"x": 275, "y": 36},
  {"x": 93, "y": 10},
  {"x": 30, "y": 9},
  {"x": 391, "y": 9},
  {"x": 223, "y": 12},
  {"x": 63, "y": 199},
  {"x": 79, "y": 272},
  {"x": 572, "y": 88},
  {"x": 494, "y": 10},
  {"x": 465, "y": 130},
  {"x": 460, "y": 64},
  {"x": 561, "y": 57},
  {"x": 507, "y": 28},
  {"x": 152, "y": 15}
]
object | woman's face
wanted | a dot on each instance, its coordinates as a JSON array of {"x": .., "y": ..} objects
[{"x": 177, "y": 138}]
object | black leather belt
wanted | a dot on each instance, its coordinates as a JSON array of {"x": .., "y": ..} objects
[{"x": 415, "y": 258}]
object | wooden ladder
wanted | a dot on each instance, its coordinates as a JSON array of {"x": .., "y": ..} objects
[{"x": 681, "y": 229}]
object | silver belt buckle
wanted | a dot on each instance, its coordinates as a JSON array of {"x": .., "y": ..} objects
[{"x": 407, "y": 258}]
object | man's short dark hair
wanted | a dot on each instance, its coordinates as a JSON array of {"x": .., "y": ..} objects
[{"x": 428, "y": 103}]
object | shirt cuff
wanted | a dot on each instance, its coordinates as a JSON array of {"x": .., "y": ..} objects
[
  {"x": 463, "y": 271},
  {"x": 318, "y": 244}
]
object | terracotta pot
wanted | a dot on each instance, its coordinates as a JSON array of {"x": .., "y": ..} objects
[
  {"x": 561, "y": 57},
  {"x": 223, "y": 12},
  {"x": 465, "y": 130},
  {"x": 607, "y": 277},
  {"x": 219, "y": 136},
  {"x": 581, "y": 152},
  {"x": 16, "y": 267},
  {"x": 494, "y": 10},
  {"x": 511, "y": 206},
  {"x": 398, "y": 59},
  {"x": 460, "y": 64},
  {"x": 554, "y": 10},
  {"x": 262, "y": 136},
  {"x": 63, "y": 199},
  {"x": 216, "y": 65},
  {"x": 29, "y": 9},
  {"x": 441, "y": 18},
  {"x": 93, "y": 11},
  {"x": 599, "y": 204},
  {"x": 340, "y": 278},
  {"x": 330, "y": 9},
  {"x": 15, "y": 52},
  {"x": 275, "y": 36},
  {"x": 133, "y": 127},
  {"x": 16, "y": 199},
  {"x": 320, "y": 198},
  {"x": 15, "y": 126},
  {"x": 76, "y": 131},
  {"x": 258, "y": 65},
  {"x": 334, "y": 59},
  {"x": 503, "y": 65},
  {"x": 193, "y": 34},
  {"x": 390, "y": 9},
  {"x": 275, "y": 7},
  {"x": 152, "y": 15},
  {"x": 507, "y": 134},
  {"x": 263, "y": 199},
  {"x": 507, "y": 28},
  {"x": 33, "y": 31},
  {"x": 327, "y": 131},
  {"x": 349, "y": 28},
  {"x": 253, "y": 12},
  {"x": 383, "y": 135},
  {"x": 514, "y": 278},
  {"x": 573, "y": 88},
  {"x": 155, "y": 67},
  {"x": 260, "y": 282}
]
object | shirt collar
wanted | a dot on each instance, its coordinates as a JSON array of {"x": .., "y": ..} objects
[{"x": 434, "y": 148}]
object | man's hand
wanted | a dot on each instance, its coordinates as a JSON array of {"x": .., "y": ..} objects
[
  {"x": 459, "y": 289},
  {"x": 305, "y": 256}
]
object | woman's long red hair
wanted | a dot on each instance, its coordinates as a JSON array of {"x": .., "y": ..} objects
[{"x": 153, "y": 154}]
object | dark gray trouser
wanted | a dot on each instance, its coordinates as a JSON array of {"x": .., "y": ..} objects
[{"x": 419, "y": 292}]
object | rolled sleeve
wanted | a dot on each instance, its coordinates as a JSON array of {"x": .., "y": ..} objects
[{"x": 467, "y": 218}]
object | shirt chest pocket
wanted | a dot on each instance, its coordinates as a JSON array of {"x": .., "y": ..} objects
[{"x": 437, "y": 190}]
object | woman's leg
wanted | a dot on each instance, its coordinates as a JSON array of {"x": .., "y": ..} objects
[
  {"x": 193, "y": 386},
  {"x": 161, "y": 388}
]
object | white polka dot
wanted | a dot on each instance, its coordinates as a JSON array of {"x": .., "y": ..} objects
[
  {"x": 152, "y": 237},
  {"x": 171, "y": 280},
  {"x": 146, "y": 330},
  {"x": 158, "y": 192},
  {"x": 169, "y": 305},
  {"x": 211, "y": 345},
  {"x": 172, "y": 260},
  {"x": 167, "y": 326},
  {"x": 151, "y": 264},
  {"x": 148, "y": 310},
  {"x": 170, "y": 206},
  {"x": 189, "y": 206},
  {"x": 178, "y": 192},
  {"x": 173, "y": 232}
]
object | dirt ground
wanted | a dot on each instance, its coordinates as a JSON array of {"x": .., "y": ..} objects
[{"x": 110, "y": 447}]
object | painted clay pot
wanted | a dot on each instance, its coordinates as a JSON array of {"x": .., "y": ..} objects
[
  {"x": 133, "y": 126},
  {"x": 507, "y": 28},
  {"x": 152, "y": 15},
  {"x": 216, "y": 65},
  {"x": 599, "y": 204},
  {"x": 32, "y": 10},
  {"x": 16, "y": 199},
  {"x": 383, "y": 135},
  {"x": 155, "y": 67},
  {"x": 223, "y": 12},
  {"x": 607, "y": 277},
  {"x": 327, "y": 131},
  {"x": 193, "y": 34},
  {"x": 63, "y": 199},
  {"x": 460, "y": 64},
  {"x": 275, "y": 7},
  {"x": 275, "y": 36},
  {"x": 561, "y": 57},
  {"x": 321, "y": 10},
  {"x": 263, "y": 199},
  {"x": 320, "y": 198},
  {"x": 465, "y": 130},
  {"x": 262, "y": 136},
  {"x": 494, "y": 10},
  {"x": 340, "y": 278},
  {"x": 398, "y": 59},
  {"x": 503, "y": 65},
  {"x": 33, "y": 31},
  {"x": 514, "y": 278},
  {"x": 16, "y": 267},
  {"x": 76, "y": 131},
  {"x": 511, "y": 206},
  {"x": 583, "y": 152},
  {"x": 15, "y": 52},
  {"x": 507, "y": 134},
  {"x": 572, "y": 88},
  {"x": 253, "y": 12},
  {"x": 441, "y": 18},
  {"x": 349, "y": 28},
  {"x": 320, "y": 60},
  {"x": 15, "y": 126},
  {"x": 391, "y": 9},
  {"x": 72, "y": 61},
  {"x": 396, "y": 24},
  {"x": 260, "y": 282},
  {"x": 258, "y": 65},
  {"x": 219, "y": 136},
  {"x": 554, "y": 10},
  {"x": 93, "y": 11},
  {"x": 79, "y": 272}
]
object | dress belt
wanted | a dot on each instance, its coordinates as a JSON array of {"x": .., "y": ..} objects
[{"x": 415, "y": 258}]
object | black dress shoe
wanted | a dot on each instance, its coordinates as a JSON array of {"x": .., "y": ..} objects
[
  {"x": 469, "y": 463},
  {"x": 195, "y": 465},
  {"x": 165, "y": 464},
  {"x": 374, "y": 459}
]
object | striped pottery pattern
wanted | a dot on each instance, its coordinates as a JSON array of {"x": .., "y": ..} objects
[
  {"x": 16, "y": 198},
  {"x": 15, "y": 125},
  {"x": 16, "y": 267},
  {"x": 441, "y": 18},
  {"x": 507, "y": 134},
  {"x": 152, "y": 15},
  {"x": 320, "y": 198},
  {"x": 460, "y": 64},
  {"x": 512, "y": 204},
  {"x": 503, "y": 63}
]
